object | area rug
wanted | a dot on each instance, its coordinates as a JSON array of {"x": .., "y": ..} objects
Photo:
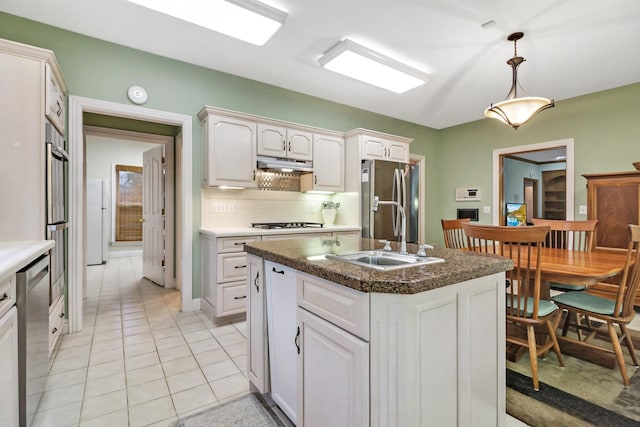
[
  {"x": 246, "y": 411},
  {"x": 580, "y": 394}
]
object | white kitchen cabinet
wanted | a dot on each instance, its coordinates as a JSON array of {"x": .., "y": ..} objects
[
  {"x": 333, "y": 375},
  {"x": 224, "y": 274},
  {"x": 353, "y": 233},
  {"x": 383, "y": 149},
  {"x": 257, "y": 360},
  {"x": 283, "y": 334},
  {"x": 56, "y": 323},
  {"x": 294, "y": 236},
  {"x": 9, "y": 396},
  {"x": 328, "y": 165},
  {"x": 283, "y": 142},
  {"x": 229, "y": 151},
  {"x": 54, "y": 99}
]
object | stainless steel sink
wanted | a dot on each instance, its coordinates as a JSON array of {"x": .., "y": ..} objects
[{"x": 382, "y": 260}]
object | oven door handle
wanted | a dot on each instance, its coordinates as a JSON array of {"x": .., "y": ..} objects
[{"x": 59, "y": 226}]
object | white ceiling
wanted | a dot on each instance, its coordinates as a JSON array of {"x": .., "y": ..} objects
[{"x": 572, "y": 47}]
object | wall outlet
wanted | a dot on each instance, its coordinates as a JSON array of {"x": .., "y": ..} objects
[
  {"x": 218, "y": 207},
  {"x": 582, "y": 209},
  {"x": 486, "y": 209},
  {"x": 232, "y": 207}
]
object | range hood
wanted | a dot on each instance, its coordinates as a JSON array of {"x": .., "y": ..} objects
[{"x": 284, "y": 165}]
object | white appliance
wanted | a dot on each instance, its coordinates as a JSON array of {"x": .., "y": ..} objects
[{"x": 97, "y": 221}]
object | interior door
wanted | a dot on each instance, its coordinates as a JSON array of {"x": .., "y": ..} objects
[
  {"x": 94, "y": 221},
  {"x": 153, "y": 215}
]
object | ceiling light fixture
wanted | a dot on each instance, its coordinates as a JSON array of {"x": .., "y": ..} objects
[
  {"x": 247, "y": 20},
  {"x": 358, "y": 62},
  {"x": 516, "y": 111}
]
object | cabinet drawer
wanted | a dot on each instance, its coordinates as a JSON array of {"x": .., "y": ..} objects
[
  {"x": 232, "y": 298},
  {"x": 7, "y": 293},
  {"x": 56, "y": 323},
  {"x": 234, "y": 244},
  {"x": 232, "y": 267},
  {"x": 342, "y": 306}
]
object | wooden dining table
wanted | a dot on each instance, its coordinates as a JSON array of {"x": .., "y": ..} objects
[{"x": 576, "y": 268}]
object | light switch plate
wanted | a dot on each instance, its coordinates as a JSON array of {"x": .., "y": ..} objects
[
  {"x": 486, "y": 209},
  {"x": 582, "y": 210}
]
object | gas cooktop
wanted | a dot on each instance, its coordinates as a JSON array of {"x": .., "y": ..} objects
[{"x": 275, "y": 225}]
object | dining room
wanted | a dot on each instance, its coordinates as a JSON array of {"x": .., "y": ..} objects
[{"x": 591, "y": 377}]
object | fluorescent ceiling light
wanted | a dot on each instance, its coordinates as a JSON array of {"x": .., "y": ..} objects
[
  {"x": 247, "y": 20},
  {"x": 358, "y": 62}
]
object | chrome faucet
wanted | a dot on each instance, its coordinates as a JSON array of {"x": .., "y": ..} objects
[{"x": 374, "y": 207}]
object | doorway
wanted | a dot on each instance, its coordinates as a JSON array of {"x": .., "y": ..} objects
[
  {"x": 500, "y": 182},
  {"x": 184, "y": 215},
  {"x": 530, "y": 191}
]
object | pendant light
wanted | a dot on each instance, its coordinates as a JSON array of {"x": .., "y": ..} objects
[{"x": 514, "y": 110}]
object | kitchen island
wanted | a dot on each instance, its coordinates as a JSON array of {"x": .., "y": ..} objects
[{"x": 339, "y": 344}]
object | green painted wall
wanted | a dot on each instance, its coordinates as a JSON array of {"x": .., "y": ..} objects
[
  {"x": 605, "y": 127},
  {"x": 96, "y": 69}
]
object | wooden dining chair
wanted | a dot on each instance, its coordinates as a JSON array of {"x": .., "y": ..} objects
[
  {"x": 524, "y": 308},
  {"x": 454, "y": 237},
  {"x": 615, "y": 313},
  {"x": 571, "y": 235}
]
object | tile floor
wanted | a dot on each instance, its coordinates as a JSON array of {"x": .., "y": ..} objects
[{"x": 139, "y": 361}]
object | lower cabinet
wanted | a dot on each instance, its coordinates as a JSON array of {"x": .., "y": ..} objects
[
  {"x": 376, "y": 359},
  {"x": 9, "y": 362},
  {"x": 333, "y": 375}
]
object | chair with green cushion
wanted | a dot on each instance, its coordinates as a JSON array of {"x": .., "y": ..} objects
[
  {"x": 524, "y": 308},
  {"x": 572, "y": 235},
  {"x": 618, "y": 312}
]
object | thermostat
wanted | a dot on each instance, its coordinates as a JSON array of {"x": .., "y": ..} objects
[
  {"x": 467, "y": 194},
  {"x": 137, "y": 95}
]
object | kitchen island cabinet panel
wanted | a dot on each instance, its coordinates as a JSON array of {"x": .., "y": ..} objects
[
  {"x": 257, "y": 359},
  {"x": 333, "y": 375}
]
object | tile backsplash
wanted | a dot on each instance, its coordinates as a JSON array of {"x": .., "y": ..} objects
[{"x": 239, "y": 208}]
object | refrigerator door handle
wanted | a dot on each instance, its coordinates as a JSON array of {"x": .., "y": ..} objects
[
  {"x": 403, "y": 192},
  {"x": 397, "y": 197}
]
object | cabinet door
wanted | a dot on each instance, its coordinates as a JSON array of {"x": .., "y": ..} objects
[
  {"x": 299, "y": 145},
  {"x": 281, "y": 315},
  {"x": 272, "y": 140},
  {"x": 333, "y": 375},
  {"x": 9, "y": 363},
  {"x": 373, "y": 148},
  {"x": 328, "y": 163},
  {"x": 398, "y": 152},
  {"x": 231, "y": 152},
  {"x": 257, "y": 362}
]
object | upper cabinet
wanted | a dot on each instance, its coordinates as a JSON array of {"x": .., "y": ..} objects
[
  {"x": 282, "y": 142},
  {"x": 229, "y": 150},
  {"x": 384, "y": 149},
  {"x": 54, "y": 98},
  {"x": 328, "y": 165}
]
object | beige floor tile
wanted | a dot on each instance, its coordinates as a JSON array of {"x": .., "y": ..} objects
[
  {"x": 136, "y": 330},
  {"x": 69, "y": 352},
  {"x": 228, "y": 387},
  {"x": 241, "y": 362},
  {"x": 113, "y": 343},
  {"x": 173, "y": 353},
  {"x": 204, "y": 345},
  {"x": 103, "y": 356},
  {"x": 140, "y": 361},
  {"x": 232, "y": 338},
  {"x": 144, "y": 375},
  {"x": 138, "y": 349},
  {"x": 164, "y": 343},
  {"x": 223, "y": 330},
  {"x": 164, "y": 423},
  {"x": 210, "y": 357},
  {"x": 151, "y": 412},
  {"x": 220, "y": 370},
  {"x": 200, "y": 335},
  {"x": 185, "y": 380},
  {"x": 114, "y": 419},
  {"x": 65, "y": 379},
  {"x": 61, "y": 396},
  {"x": 192, "y": 327},
  {"x": 75, "y": 340},
  {"x": 235, "y": 350},
  {"x": 194, "y": 398},
  {"x": 142, "y": 393},
  {"x": 70, "y": 364},
  {"x": 104, "y": 404},
  {"x": 137, "y": 339},
  {"x": 139, "y": 319},
  {"x": 59, "y": 416},
  {"x": 107, "y": 369},
  {"x": 182, "y": 364},
  {"x": 172, "y": 331},
  {"x": 105, "y": 385}
]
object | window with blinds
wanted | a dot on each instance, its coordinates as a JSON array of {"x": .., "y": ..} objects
[{"x": 128, "y": 203}]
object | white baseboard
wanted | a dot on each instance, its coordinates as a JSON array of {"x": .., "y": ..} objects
[{"x": 196, "y": 304}]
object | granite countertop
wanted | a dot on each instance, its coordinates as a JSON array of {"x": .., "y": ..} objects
[
  {"x": 307, "y": 255},
  {"x": 249, "y": 231},
  {"x": 15, "y": 255}
]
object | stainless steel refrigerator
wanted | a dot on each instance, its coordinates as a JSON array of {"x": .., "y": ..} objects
[{"x": 390, "y": 181}]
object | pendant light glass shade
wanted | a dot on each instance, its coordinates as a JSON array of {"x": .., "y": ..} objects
[{"x": 516, "y": 111}]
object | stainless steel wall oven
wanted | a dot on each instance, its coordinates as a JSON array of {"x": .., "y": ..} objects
[{"x": 57, "y": 161}]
